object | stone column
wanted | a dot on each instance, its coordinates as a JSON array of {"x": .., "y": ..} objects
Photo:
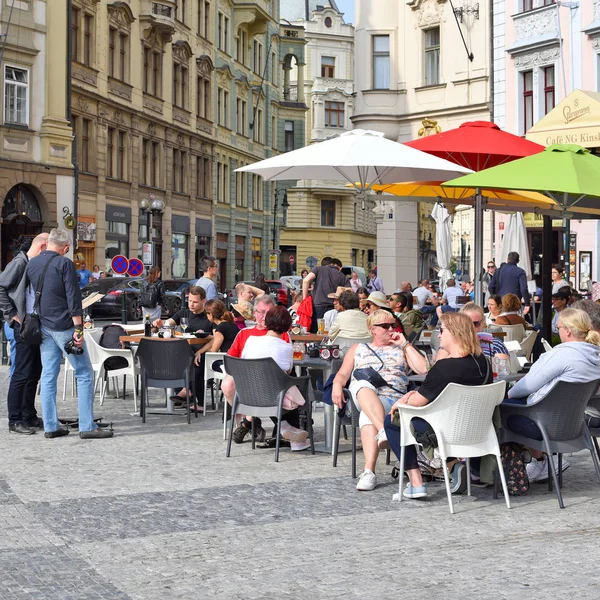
[{"x": 301, "y": 82}]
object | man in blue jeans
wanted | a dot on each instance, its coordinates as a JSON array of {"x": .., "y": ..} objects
[{"x": 60, "y": 313}]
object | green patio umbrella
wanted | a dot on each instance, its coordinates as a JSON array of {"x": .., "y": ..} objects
[{"x": 567, "y": 173}]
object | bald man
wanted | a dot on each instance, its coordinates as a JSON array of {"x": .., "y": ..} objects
[{"x": 22, "y": 416}]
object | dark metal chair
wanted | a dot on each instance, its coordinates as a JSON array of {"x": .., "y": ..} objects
[
  {"x": 595, "y": 431},
  {"x": 260, "y": 386},
  {"x": 166, "y": 364},
  {"x": 560, "y": 419}
]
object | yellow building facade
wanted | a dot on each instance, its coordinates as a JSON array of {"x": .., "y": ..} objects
[{"x": 36, "y": 176}]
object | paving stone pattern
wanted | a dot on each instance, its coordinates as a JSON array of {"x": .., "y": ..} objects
[{"x": 158, "y": 512}]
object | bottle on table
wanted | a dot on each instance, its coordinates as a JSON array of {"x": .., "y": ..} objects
[{"x": 147, "y": 326}]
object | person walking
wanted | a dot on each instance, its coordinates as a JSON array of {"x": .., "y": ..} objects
[
  {"x": 375, "y": 284},
  {"x": 510, "y": 279},
  {"x": 210, "y": 269},
  {"x": 84, "y": 275},
  {"x": 26, "y": 365},
  {"x": 326, "y": 281},
  {"x": 152, "y": 295},
  {"x": 60, "y": 314}
]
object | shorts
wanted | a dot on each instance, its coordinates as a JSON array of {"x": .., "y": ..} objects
[{"x": 357, "y": 385}]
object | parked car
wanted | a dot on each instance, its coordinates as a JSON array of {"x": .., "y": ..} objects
[
  {"x": 113, "y": 289},
  {"x": 173, "y": 290}
]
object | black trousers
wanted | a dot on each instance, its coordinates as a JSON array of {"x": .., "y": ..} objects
[
  {"x": 199, "y": 382},
  {"x": 24, "y": 381}
]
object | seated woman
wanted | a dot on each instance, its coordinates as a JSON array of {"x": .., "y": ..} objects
[
  {"x": 389, "y": 355},
  {"x": 278, "y": 322},
  {"x": 465, "y": 364},
  {"x": 411, "y": 319},
  {"x": 494, "y": 305},
  {"x": 224, "y": 332},
  {"x": 576, "y": 359},
  {"x": 491, "y": 346},
  {"x": 511, "y": 309}
]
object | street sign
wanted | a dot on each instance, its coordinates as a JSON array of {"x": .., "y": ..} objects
[
  {"x": 136, "y": 267},
  {"x": 292, "y": 259},
  {"x": 147, "y": 253},
  {"x": 119, "y": 264},
  {"x": 273, "y": 262}
]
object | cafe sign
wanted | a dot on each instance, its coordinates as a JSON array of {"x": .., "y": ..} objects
[{"x": 576, "y": 120}]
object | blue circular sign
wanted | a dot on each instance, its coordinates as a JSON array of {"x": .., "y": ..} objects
[
  {"x": 136, "y": 267},
  {"x": 119, "y": 264}
]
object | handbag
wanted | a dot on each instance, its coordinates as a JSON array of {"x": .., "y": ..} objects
[
  {"x": 371, "y": 375},
  {"x": 31, "y": 328}
]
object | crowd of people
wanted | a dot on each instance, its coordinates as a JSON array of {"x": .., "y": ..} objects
[{"x": 377, "y": 334}]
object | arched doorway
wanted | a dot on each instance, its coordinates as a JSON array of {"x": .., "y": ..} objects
[{"x": 21, "y": 218}]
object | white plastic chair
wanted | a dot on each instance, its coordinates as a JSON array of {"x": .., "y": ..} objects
[
  {"x": 527, "y": 345},
  {"x": 513, "y": 332},
  {"x": 96, "y": 365},
  {"x": 546, "y": 345},
  {"x": 105, "y": 353},
  {"x": 461, "y": 417},
  {"x": 210, "y": 358}
]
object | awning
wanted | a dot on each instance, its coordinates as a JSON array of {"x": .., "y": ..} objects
[{"x": 576, "y": 120}]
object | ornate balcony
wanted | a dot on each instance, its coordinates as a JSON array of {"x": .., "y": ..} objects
[{"x": 161, "y": 14}]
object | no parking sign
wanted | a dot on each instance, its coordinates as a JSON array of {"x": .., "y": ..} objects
[
  {"x": 136, "y": 267},
  {"x": 119, "y": 264}
]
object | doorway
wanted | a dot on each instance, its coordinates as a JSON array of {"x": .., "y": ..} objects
[
  {"x": 21, "y": 219},
  {"x": 535, "y": 243}
]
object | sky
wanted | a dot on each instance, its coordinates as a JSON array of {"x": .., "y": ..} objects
[{"x": 347, "y": 7}]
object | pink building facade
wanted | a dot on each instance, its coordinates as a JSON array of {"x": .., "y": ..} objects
[{"x": 544, "y": 52}]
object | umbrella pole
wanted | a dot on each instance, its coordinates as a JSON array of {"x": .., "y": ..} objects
[
  {"x": 547, "y": 279},
  {"x": 478, "y": 245}
]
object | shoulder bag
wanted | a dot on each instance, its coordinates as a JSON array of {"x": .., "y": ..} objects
[{"x": 31, "y": 328}]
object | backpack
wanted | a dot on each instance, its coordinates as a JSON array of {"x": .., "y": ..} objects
[
  {"x": 513, "y": 463},
  {"x": 149, "y": 295}
]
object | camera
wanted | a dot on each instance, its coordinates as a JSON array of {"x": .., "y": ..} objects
[{"x": 71, "y": 348}]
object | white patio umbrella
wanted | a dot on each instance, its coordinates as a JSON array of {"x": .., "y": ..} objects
[
  {"x": 443, "y": 242},
  {"x": 359, "y": 157},
  {"x": 515, "y": 240}
]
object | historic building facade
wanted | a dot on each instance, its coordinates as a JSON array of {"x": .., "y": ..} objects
[
  {"x": 36, "y": 176},
  {"x": 169, "y": 98},
  {"x": 413, "y": 71},
  {"x": 547, "y": 88},
  {"x": 324, "y": 218}
]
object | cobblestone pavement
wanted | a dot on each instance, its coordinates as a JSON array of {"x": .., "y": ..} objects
[{"x": 158, "y": 512}]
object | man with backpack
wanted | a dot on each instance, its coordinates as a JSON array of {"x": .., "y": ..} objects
[{"x": 152, "y": 294}]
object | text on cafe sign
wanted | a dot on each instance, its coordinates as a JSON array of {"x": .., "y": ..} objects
[{"x": 583, "y": 138}]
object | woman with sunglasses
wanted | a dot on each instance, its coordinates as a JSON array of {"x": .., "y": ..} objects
[
  {"x": 389, "y": 357},
  {"x": 465, "y": 364}
]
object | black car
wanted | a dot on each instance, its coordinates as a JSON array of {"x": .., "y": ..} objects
[
  {"x": 173, "y": 290},
  {"x": 113, "y": 289}
]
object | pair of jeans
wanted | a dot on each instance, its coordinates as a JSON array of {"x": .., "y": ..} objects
[
  {"x": 393, "y": 436},
  {"x": 10, "y": 338},
  {"x": 52, "y": 351},
  {"x": 27, "y": 367}
]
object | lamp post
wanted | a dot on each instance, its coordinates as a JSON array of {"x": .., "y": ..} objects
[
  {"x": 151, "y": 206},
  {"x": 285, "y": 205}
]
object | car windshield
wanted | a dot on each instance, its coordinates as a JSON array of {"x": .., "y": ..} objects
[
  {"x": 173, "y": 286},
  {"x": 103, "y": 285}
]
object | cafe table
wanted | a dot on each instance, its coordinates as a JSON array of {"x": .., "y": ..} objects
[{"x": 192, "y": 340}]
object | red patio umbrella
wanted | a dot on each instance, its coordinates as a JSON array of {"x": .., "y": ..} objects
[{"x": 477, "y": 145}]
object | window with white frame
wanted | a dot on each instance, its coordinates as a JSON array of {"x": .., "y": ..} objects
[
  {"x": 16, "y": 96},
  {"x": 549, "y": 89},
  {"x": 432, "y": 56},
  {"x": 381, "y": 62}
]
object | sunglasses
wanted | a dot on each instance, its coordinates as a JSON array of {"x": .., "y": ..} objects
[
  {"x": 491, "y": 266},
  {"x": 442, "y": 329},
  {"x": 385, "y": 326},
  {"x": 477, "y": 323},
  {"x": 368, "y": 305}
]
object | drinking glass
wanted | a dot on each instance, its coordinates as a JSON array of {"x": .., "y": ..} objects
[
  {"x": 321, "y": 326},
  {"x": 184, "y": 324},
  {"x": 298, "y": 350}
]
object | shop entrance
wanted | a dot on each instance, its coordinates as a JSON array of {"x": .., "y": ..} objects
[
  {"x": 21, "y": 219},
  {"x": 535, "y": 243}
]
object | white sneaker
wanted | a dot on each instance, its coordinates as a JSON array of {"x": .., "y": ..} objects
[
  {"x": 381, "y": 439},
  {"x": 299, "y": 446},
  {"x": 367, "y": 481},
  {"x": 293, "y": 434},
  {"x": 537, "y": 470}
]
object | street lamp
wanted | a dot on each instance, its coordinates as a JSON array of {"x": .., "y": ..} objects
[
  {"x": 152, "y": 206},
  {"x": 285, "y": 205}
]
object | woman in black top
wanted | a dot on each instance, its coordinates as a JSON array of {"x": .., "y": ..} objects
[
  {"x": 224, "y": 329},
  {"x": 466, "y": 364}
]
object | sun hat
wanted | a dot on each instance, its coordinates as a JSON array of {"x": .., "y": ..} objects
[
  {"x": 378, "y": 298},
  {"x": 244, "y": 309},
  {"x": 339, "y": 291}
]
